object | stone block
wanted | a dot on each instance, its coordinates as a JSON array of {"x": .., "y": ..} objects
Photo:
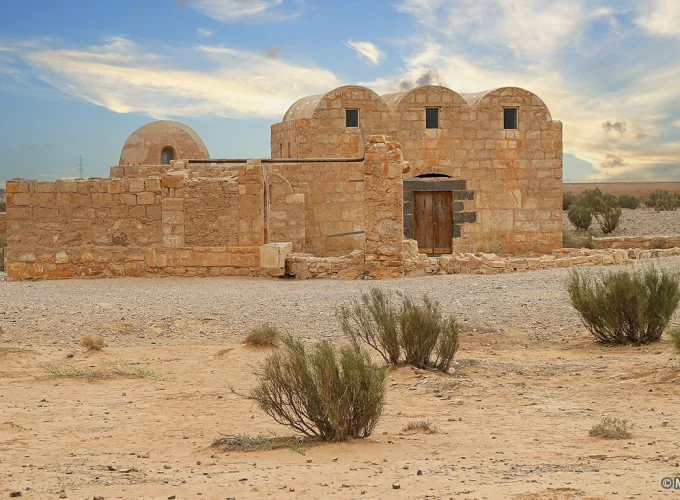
[
  {"x": 146, "y": 198},
  {"x": 61, "y": 258},
  {"x": 136, "y": 185},
  {"x": 172, "y": 204},
  {"x": 273, "y": 255}
]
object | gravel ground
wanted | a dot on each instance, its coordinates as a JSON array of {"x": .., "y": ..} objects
[
  {"x": 641, "y": 222},
  {"x": 137, "y": 312}
]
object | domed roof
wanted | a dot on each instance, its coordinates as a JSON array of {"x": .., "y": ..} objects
[{"x": 146, "y": 144}]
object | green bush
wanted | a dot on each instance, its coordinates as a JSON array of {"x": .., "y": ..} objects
[
  {"x": 415, "y": 333},
  {"x": 572, "y": 239},
  {"x": 567, "y": 200},
  {"x": 608, "y": 218},
  {"x": 625, "y": 307},
  {"x": 322, "y": 392},
  {"x": 674, "y": 337},
  {"x": 666, "y": 205},
  {"x": 580, "y": 216},
  {"x": 628, "y": 201},
  {"x": 662, "y": 200},
  {"x": 263, "y": 336},
  {"x": 591, "y": 198}
]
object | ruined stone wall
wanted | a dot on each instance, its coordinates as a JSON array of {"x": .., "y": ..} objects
[
  {"x": 169, "y": 225},
  {"x": 320, "y": 204},
  {"x": 193, "y": 170},
  {"x": 210, "y": 212},
  {"x": 3, "y": 239}
]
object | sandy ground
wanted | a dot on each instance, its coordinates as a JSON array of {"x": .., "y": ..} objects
[{"x": 513, "y": 418}]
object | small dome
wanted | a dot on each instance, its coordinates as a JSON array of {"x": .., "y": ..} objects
[{"x": 159, "y": 142}]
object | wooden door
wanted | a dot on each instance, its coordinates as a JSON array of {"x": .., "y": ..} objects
[{"x": 433, "y": 221}]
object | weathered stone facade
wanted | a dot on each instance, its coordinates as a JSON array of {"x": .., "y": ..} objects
[
  {"x": 515, "y": 174},
  {"x": 3, "y": 240},
  {"x": 169, "y": 220}
]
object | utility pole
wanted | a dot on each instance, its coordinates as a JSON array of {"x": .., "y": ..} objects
[{"x": 81, "y": 166}]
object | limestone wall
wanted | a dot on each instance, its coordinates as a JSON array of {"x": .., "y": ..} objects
[
  {"x": 172, "y": 224},
  {"x": 317, "y": 206},
  {"x": 3, "y": 239},
  {"x": 321, "y": 133},
  {"x": 645, "y": 242},
  {"x": 514, "y": 177}
]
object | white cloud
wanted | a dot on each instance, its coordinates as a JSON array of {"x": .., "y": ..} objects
[
  {"x": 529, "y": 27},
  {"x": 661, "y": 17},
  {"x": 205, "y": 32},
  {"x": 546, "y": 46},
  {"x": 232, "y": 11},
  {"x": 367, "y": 50},
  {"x": 127, "y": 78}
]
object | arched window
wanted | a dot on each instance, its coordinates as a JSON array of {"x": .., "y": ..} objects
[{"x": 167, "y": 155}]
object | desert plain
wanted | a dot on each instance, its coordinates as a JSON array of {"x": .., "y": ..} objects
[{"x": 138, "y": 418}]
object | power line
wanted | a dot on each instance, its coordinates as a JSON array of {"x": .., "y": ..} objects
[{"x": 81, "y": 166}]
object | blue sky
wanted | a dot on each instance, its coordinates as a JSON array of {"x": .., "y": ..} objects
[{"x": 78, "y": 76}]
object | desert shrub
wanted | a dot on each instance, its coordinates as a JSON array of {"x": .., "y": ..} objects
[
  {"x": 580, "y": 216},
  {"x": 3, "y": 206},
  {"x": 591, "y": 198},
  {"x": 628, "y": 201},
  {"x": 567, "y": 200},
  {"x": 612, "y": 428},
  {"x": 674, "y": 337},
  {"x": 322, "y": 392},
  {"x": 416, "y": 333},
  {"x": 263, "y": 336},
  {"x": 427, "y": 338},
  {"x": 608, "y": 217},
  {"x": 662, "y": 201},
  {"x": 625, "y": 307},
  {"x": 579, "y": 239},
  {"x": 669, "y": 204},
  {"x": 373, "y": 320},
  {"x": 92, "y": 342}
]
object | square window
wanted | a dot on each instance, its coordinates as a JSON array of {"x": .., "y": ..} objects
[
  {"x": 431, "y": 117},
  {"x": 351, "y": 118},
  {"x": 510, "y": 121}
]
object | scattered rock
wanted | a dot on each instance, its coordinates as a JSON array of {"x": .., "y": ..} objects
[{"x": 396, "y": 486}]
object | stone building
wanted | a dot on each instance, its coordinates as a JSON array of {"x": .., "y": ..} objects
[
  {"x": 160, "y": 142},
  {"x": 358, "y": 185},
  {"x": 484, "y": 170}
]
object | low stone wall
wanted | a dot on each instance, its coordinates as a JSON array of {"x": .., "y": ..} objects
[
  {"x": 307, "y": 266},
  {"x": 659, "y": 242},
  {"x": 418, "y": 264},
  {"x": 3, "y": 239},
  {"x": 106, "y": 262}
]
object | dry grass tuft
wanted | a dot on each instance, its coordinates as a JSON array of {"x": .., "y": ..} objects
[
  {"x": 55, "y": 371},
  {"x": 612, "y": 428},
  {"x": 12, "y": 349},
  {"x": 421, "y": 425},
  {"x": 92, "y": 342},
  {"x": 244, "y": 442},
  {"x": 263, "y": 336}
]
